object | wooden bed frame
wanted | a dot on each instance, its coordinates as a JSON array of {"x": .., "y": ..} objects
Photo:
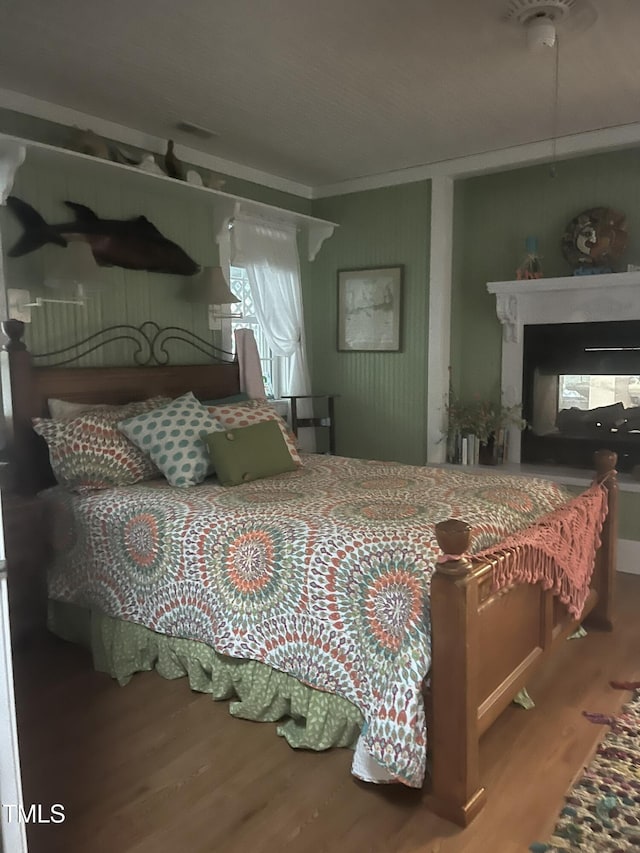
[{"x": 485, "y": 645}]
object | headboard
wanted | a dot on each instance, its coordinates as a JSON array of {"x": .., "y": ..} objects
[{"x": 26, "y": 386}]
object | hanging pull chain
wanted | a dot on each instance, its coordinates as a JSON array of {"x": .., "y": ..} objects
[{"x": 554, "y": 120}]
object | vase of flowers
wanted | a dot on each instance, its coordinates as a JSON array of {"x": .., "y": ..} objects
[
  {"x": 477, "y": 430},
  {"x": 491, "y": 451}
]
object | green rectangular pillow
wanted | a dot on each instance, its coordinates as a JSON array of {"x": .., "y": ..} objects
[
  {"x": 242, "y": 454},
  {"x": 242, "y": 397}
]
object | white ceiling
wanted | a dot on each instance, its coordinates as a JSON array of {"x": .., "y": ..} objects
[{"x": 322, "y": 91}]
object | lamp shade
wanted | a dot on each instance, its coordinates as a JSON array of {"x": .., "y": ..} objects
[
  {"x": 73, "y": 265},
  {"x": 210, "y": 288}
]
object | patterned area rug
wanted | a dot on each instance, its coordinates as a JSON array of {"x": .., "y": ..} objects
[{"x": 602, "y": 812}]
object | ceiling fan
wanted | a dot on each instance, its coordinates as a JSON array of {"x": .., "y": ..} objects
[{"x": 543, "y": 20}]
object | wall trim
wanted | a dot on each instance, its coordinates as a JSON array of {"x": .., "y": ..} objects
[
  {"x": 629, "y": 556},
  {"x": 498, "y": 160},
  {"x": 439, "y": 340},
  {"x": 129, "y": 136}
]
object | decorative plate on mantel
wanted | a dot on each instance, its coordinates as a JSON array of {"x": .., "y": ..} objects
[{"x": 594, "y": 240}]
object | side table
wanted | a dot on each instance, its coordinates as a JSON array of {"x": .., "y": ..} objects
[{"x": 318, "y": 422}]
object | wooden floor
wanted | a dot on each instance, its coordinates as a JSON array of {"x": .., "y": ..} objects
[{"x": 155, "y": 767}]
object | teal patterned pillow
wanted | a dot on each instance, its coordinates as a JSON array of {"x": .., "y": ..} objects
[
  {"x": 88, "y": 451},
  {"x": 172, "y": 437}
]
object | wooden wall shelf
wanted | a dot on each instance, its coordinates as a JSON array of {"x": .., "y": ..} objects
[{"x": 225, "y": 205}]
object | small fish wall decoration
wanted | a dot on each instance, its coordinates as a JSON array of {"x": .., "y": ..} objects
[{"x": 135, "y": 244}]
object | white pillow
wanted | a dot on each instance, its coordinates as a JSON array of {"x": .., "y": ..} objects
[{"x": 61, "y": 410}]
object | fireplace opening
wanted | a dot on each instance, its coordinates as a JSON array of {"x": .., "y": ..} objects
[{"x": 581, "y": 392}]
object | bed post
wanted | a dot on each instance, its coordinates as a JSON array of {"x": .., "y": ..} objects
[
  {"x": 15, "y": 369},
  {"x": 455, "y": 793},
  {"x": 606, "y": 560}
]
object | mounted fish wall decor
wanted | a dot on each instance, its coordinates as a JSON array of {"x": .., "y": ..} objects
[{"x": 135, "y": 244}]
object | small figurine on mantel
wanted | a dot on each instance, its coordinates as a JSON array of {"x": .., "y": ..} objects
[{"x": 531, "y": 267}]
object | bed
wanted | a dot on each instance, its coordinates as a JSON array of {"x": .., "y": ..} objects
[{"x": 486, "y": 638}]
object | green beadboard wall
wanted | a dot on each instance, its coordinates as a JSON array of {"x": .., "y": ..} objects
[
  {"x": 629, "y": 516},
  {"x": 493, "y": 216},
  {"x": 126, "y": 296},
  {"x": 381, "y": 411}
]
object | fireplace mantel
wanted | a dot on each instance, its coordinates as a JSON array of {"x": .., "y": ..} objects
[{"x": 571, "y": 299}]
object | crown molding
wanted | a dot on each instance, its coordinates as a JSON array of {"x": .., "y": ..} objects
[
  {"x": 154, "y": 144},
  {"x": 499, "y": 160}
]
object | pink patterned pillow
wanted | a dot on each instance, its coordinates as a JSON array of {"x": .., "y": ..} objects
[
  {"x": 90, "y": 452},
  {"x": 253, "y": 412}
]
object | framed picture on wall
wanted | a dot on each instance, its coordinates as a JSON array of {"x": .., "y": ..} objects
[{"x": 370, "y": 309}]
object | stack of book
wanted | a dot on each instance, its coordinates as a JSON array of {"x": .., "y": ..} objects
[{"x": 469, "y": 450}]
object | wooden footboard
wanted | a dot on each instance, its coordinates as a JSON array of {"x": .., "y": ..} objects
[{"x": 486, "y": 645}]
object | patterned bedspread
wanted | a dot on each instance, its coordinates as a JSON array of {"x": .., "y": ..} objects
[{"x": 322, "y": 573}]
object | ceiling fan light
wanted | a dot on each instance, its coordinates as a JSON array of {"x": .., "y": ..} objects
[{"x": 541, "y": 33}]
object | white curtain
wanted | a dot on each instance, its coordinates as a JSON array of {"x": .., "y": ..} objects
[{"x": 269, "y": 253}]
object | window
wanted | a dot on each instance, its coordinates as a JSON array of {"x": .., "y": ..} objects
[
  {"x": 239, "y": 284},
  {"x": 593, "y": 390}
]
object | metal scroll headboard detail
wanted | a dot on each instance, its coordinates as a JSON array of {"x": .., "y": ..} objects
[{"x": 149, "y": 339}]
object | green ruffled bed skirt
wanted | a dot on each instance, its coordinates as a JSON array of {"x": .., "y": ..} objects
[{"x": 311, "y": 719}]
